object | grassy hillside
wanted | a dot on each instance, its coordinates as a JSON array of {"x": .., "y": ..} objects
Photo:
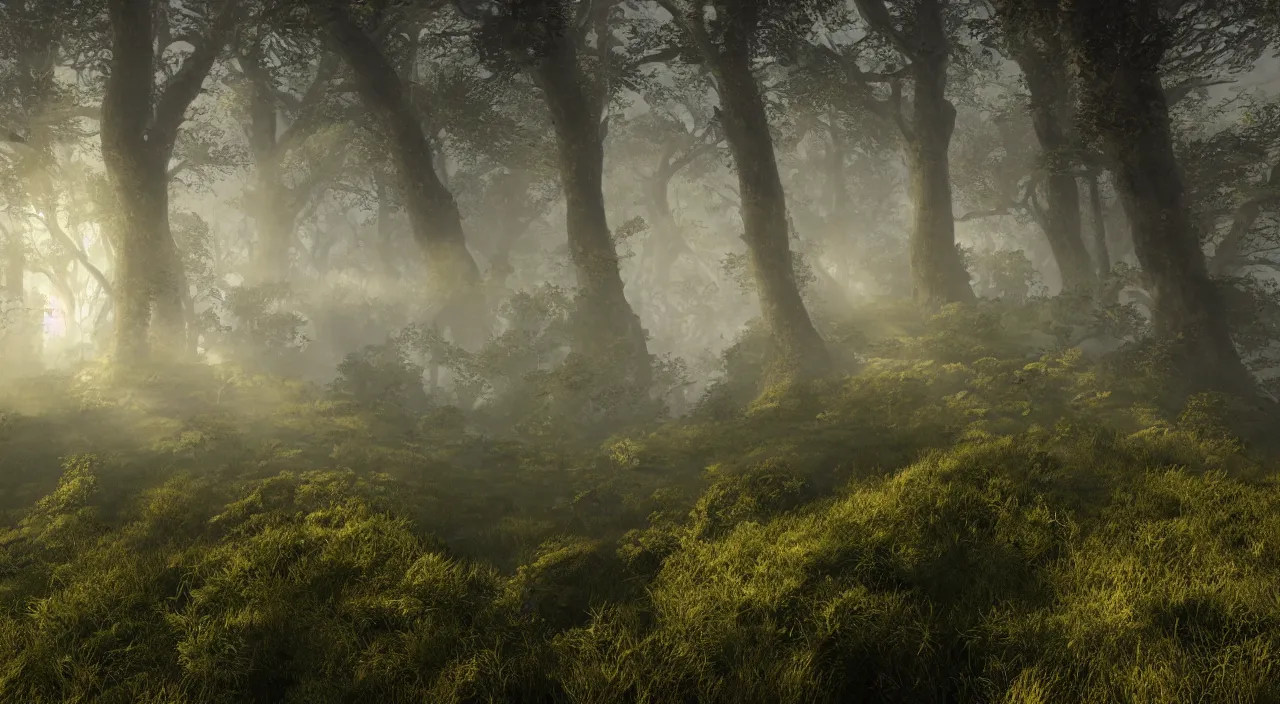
[{"x": 959, "y": 518}]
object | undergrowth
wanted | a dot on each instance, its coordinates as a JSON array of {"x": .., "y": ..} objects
[{"x": 959, "y": 517}]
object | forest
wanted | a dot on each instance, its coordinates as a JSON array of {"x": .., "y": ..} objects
[{"x": 662, "y": 351}]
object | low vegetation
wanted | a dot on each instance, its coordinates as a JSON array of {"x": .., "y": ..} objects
[{"x": 955, "y": 517}]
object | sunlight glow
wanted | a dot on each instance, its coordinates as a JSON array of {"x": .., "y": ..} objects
[{"x": 54, "y": 323}]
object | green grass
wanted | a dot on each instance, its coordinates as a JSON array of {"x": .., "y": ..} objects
[{"x": 952, "y": 521}]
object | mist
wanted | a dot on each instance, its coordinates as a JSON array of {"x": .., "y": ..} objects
[{"x": 639, "y": 350}]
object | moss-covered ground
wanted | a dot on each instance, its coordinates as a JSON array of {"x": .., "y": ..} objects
[{"x": 958, "y": 518}]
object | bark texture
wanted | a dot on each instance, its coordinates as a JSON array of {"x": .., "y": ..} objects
[
  {"x": 150, "y": 285},
  {"x": 1119, "y": 62},
  {"x": 937, "y": 268},
  {"x": 938, "y": 274}
]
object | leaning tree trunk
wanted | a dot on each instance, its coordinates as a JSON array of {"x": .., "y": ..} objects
[
  {"x": 433, "y": 212},
  {"x": 800, "y": 348},
  {"x": 1229, "y": 256},
  {"x": 1044, "y": 67},
  {"x": 1120, "y": 75},
  {"x": 609, "y": 326},
  {"x": 938, "y": 273}
]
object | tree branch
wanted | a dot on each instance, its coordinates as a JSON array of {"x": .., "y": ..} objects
[
  {"x": 178, "y": 94},
  {"x": 55, "y": 229},
  {"x": 980, "y": 214},
  {"x": 1177, "y": 93},
  {"x": 876, "y": 15}
]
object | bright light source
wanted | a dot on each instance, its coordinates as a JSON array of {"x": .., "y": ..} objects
[{"x": 54, "y": 323}]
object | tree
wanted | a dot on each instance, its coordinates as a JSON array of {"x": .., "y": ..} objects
[
  {"x": 1118, "y": 58},
  {"x": 433, "y": 212},
  {"x": 1207, "y": 43},
  {"x": 1039, "y": 52},
  {"x": 547, "y": 40},
  {"x": 275, "y": 203},
  {"x": 139, "y": 128},
  {"x": 922, "y": 38},
  {"x": 728, "y": 42}
]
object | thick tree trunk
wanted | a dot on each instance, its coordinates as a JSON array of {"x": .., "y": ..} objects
[
  {"x": 385, "y": 231},
  {"x": 609, "y": 326},
  {"x": 1120, "y": 77},
  {"x": 800, "y": 348},
  {"x": 938, "y": 273},
  {"x": 129, "y": 160},
  {"x": 270, "y": 207},
  {"x": 1063, "y": 230},
  {"x": 433, "y": 212},
  {"x": 275, "y": 218},
  {"x": 138, "y": 134},
  {"x": 150, "y": 284}
]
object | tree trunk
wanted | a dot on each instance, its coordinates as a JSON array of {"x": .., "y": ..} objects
[
  {"x": 836, "y": 179},
  {"x": 1044, "y": 67},
  {"x": 270, "y": 201},
  {"x": 276, "y": 219},
  {"x": 800, "y": 348},
  {"x": 938, "y": 273},
  {"x": 1062, "y": 229},
  {"x": 384, "y": 230},
  {"x": 129, "y": 161},
  {"x": 669, "y": 242},
  {"x": 1121, "y": 79},
  {"x": 1098, "y": 220},
  {"x": 138, "y": 134},
  {"x": 1229, "y": 256},
  {"x": 433, "y": 213},
  {"x": 609, "y": 326}
]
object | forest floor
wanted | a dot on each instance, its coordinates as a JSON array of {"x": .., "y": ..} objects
[{"x": 952, "y": 521}]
